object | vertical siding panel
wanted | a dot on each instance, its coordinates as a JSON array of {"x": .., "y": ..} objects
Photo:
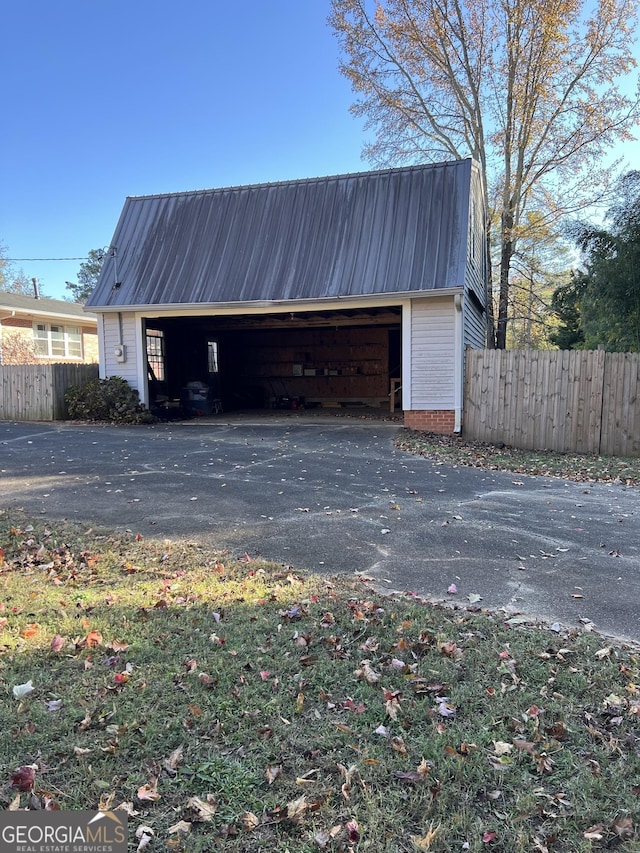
[{"x": 433, "y": 354}]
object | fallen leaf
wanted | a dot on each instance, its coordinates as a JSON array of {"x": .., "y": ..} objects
[
  {"x": 367, "y": 672},
  {"x": 250, "y": 821},
  {"x": 149, "y": 792},
  {"x": 24, "y": 777},
  {"x": 353, "y": 831},
  {"x": 296, "y": 809},
  {"x": 22, "y": 690},
  {"x": 144, "y": 834},
  {"x": 623, "y": 828},
  {"x": 424, "y": 843},
  {"x": 420, "y": 774},
  {"x": 182, "y": 828},
  {"x": 271, "y": 773},
  {"x": 594, "y": 833},
  {"x": 201, "y": 810},
  {"x": 57, "y": 643},
  {"x": 171, "y": 763}
]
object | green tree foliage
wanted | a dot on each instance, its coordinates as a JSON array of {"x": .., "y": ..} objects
[
  {"x": 565, "y": 303},
  {"x": 539, "y": 266},
  {"x": 88, "y": 275},
  {"x": 607, "y": 294},
  {"x": 529, "y": 88}
]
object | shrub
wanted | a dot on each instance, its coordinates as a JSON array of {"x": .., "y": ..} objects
[{"x": 111, "y": 399}]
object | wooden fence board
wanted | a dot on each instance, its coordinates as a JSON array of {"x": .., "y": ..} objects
[
  {"x": 35, "y": 392},
  {"x": 578, "y": 401}
]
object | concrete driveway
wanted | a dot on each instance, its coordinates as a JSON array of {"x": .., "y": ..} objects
[{"x": 334, "y": 495}]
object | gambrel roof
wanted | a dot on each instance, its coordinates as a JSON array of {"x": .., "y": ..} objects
[{"x": 371, "y": 233}]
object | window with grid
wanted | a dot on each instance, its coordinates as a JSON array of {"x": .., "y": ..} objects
[
  {"x": 54, "y": 341},
  {"x": 155, "y": 354}
]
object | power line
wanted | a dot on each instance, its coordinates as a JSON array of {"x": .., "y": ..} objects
[{"x": 15, "y": 260}]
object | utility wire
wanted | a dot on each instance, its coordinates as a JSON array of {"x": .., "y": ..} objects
[{"x": 14, "y": 260}]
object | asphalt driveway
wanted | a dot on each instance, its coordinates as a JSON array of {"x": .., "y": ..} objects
[{"x": 334, "y": 495}]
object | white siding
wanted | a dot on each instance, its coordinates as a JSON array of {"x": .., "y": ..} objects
[
  {"x": 433, "y": 354},
  {"x": 119, "y": 330}
]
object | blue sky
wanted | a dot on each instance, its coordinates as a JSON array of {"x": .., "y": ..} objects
[{"x": 108, "y": 98}]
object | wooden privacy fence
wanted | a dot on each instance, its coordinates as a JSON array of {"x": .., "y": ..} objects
[
  {"x": 35, "y": 392},
  {"x": 568, "y": 401}
]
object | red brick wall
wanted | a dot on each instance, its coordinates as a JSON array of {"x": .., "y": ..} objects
[{"x": 439, "y": 420}]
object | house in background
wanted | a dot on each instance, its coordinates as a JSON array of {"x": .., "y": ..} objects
[
  {"x": 357, "y": 289},
  {"x": 40, "y": 330}
]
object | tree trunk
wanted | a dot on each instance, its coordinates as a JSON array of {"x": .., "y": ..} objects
[{"x": 506, "y": 254}]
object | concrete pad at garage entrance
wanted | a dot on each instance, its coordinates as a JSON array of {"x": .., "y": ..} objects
[{"x": 334, "y": 495}]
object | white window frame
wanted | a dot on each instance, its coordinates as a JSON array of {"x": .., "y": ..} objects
[{"x": 71, "y": 336}]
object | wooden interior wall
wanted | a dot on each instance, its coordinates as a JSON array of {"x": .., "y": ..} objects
[{"x": 343, "y": 364}]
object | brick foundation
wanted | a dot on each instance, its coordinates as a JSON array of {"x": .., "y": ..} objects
[{"x": 440, "y": 420}]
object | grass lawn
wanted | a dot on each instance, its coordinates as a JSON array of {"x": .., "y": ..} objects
[{"x": 237, "y": 705}]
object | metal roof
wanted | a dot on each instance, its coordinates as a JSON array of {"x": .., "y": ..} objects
[
  {"x": 42, "y": 306},
  {"x": 369, "y": 233}
]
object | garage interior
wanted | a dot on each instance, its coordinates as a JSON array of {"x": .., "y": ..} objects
[{"x": 288, "y": 360}]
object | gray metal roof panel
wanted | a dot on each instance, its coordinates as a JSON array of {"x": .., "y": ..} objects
[{"x": 347, "y": 235}]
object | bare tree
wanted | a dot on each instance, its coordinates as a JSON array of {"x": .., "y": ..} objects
[
  {"x": 529, "y": 88},
  {"x": 16, "y": 348}
]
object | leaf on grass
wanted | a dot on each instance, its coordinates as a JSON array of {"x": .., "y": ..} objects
[
  {"x": 603, "y": 653},
  {"x": 181, "y": 828},
  {"x": 420, "y": 774},
  {"x": 392, "y": 703},
  {"x": 296, "y": 809},
  {"x": 489, "y": 836},
  {"x": 623, "y": 828},
  {"x": 80, "y": 751},
  {"x": 93, "y": 638},
  {"x": 398, "y": 745},
  {"x": 349, "y": 774},
  {"x": 22, "y": 690},
  {"x": 57, "y": 643},
  {"x": 149, "y": 792},
  {"x": 594, "y": 833},
  {"x": 271, "y": 773},
  {"x": 367, "y": 672},
  {"x": 127, "y": 807},
  {"x": 144, "y": 834},
  {"x": 171, "y": 763},
  {"x": 353, "y": 831},
  {"x": 250, "y": 821},
  {"x": 502, "y": 748},
  {"x": 424, "y": 843},
  {"x": 24, "y": 777},
  {"x": 30, "y": 631},
  {"x": 201, "y": 811}
]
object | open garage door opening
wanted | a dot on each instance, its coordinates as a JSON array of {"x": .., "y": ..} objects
[{"x": 331, "y": 359}]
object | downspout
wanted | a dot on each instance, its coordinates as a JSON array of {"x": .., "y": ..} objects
[{"x": 458, "y": 301}]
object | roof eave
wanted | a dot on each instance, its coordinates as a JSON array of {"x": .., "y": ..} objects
[{"x": 283, "y": 304}]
